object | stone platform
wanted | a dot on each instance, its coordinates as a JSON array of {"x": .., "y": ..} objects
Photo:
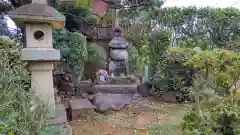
[
  {"x": 115, "y": 88},
  {"x": 102, "y": 98}
]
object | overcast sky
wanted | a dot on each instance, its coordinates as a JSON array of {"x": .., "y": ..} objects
[
  {"x": 198, "y": 3},
  {"x": 203, "y": 3}
]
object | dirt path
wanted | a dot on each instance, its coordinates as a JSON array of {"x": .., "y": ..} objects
[{"x": 146, "y": 117}]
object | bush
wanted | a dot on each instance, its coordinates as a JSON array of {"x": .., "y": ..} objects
[
  {"x": 20, "y": 109},
  {"x": 222, "y": 119},
  {"x": 224, "y": 65},
  {"x": 172, "y": 74},
  {"x": 214, "y": 114},
  {"x": 179, "y": 66},
  {"x": 73, "y": 50}
]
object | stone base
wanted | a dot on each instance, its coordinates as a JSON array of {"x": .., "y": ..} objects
[
  {"x": 59, "y": 125},
  {"x": 116, "y": 88},
  {"x": 80, "y": 108},
  {"x": 61, "y": 116}
]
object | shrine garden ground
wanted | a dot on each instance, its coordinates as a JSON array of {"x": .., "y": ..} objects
[{"x": 146, "y": 117}]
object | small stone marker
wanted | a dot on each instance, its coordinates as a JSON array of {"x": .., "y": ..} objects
[{"x": 81, "y": 108}]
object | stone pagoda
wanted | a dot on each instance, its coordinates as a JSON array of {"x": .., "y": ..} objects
[
  {"x": 118, "y": 55},
  {"x": 38, "y": 19}
]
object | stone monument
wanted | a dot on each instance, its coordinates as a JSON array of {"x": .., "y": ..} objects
[
  {"x": 39, "y": 19},
  {"x": 118, "y": 55}
]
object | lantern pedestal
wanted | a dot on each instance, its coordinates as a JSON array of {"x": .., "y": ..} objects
[{"x": 42, "y": 84}]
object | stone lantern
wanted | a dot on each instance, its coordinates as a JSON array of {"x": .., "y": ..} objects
[
  {"x": 118, "y": 54},
  {"x": 39, "y": 19}
]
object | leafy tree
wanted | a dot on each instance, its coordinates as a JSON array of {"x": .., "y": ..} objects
[
  {"x": 158, "y": 42},
  {"x": 214, "y": 26}
]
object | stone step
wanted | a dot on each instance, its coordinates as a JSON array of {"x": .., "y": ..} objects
[
  {"x": 80, "y": 108},
  {"x": 115, "y": 88}
]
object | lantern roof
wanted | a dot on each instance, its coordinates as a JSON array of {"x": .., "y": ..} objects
[{"x": 37, "y": 13}]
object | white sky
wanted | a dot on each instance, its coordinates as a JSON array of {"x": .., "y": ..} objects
[
  {"x": 180, "y": 3},
  {"x": 203, "y": 3}
]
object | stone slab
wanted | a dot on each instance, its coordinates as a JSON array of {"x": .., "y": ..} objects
[
  {"x": 104, "y": 102},
  {"x": 40, "y": 54},
  {"x": 80, "y": 108},
  {"x": 77, "y": 104},
  {"x": 116, "y": 89}
]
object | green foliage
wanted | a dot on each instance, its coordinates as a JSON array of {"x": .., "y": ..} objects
[
  {"x": 96, "y": 55},
  {"x": 216, "y": 26},
  {"x": 161, "y": 130},
  {"x": 150, "y": 51},
  {"x": 158, "y": 42},
  {"x": 4, "y": 129},
  {"x": 214, "y": 114},
  {"x": 223, "y": 64},
  {"x": 20, "y": 109},
  {"x": 73, "y": 50},
  {"x": 77, "y": 17},
  {"x": 178, "y": 66},
  {"x": 84, "y": 3},
  {"x": 222, "y": 119},
  {"x": 107, "y": 18},
  {"x": 134, "y": 63},
  {"x": 172, "y": 74}
]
